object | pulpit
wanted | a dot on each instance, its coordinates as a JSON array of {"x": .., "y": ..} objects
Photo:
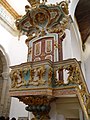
[{"x": 40, "y": 80}]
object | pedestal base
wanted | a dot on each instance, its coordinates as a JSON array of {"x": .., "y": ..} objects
[{"x": 40, "y": 107}]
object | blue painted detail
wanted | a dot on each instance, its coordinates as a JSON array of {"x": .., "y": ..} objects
[{"x": 27, "y": 75}]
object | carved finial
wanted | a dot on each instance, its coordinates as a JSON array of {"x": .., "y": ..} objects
[
  {"x": 27, "y": 8},
  {"x": 34, "y": 3}
]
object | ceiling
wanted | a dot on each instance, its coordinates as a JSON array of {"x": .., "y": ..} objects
[{"x": 82, "y": 14}]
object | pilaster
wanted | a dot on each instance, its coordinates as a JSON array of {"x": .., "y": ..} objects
[{"x": 4, "y": 95}]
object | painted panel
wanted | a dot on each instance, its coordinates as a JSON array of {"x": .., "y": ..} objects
[
  {"x": 37, "y": 48},
  {"x": 48, "y": 46}
]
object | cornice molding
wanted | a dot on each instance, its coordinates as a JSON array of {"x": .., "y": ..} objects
[{"x": 7, "y": 6}]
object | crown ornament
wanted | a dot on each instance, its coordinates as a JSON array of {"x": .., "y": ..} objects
[
  {"x": 35, "y": 3},
  {"x": 41, "y": 19}
]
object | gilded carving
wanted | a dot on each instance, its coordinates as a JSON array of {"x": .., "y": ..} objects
[
  {"x": 73, "y": 74},
  {"x": 64, "y": 6},
  {"x": 73, "y": 78},
  {"x": 43, "y": 19},
  {"x": 17, "y": 78},
  {"x": 31, "y": 75},
  {"x": 50, "y": 76},
  {"x": 55, "y": 45},
  {"x": 34, "y": 76},
  {"x": 35, "y": 100},
  {"x": 40, "y": 74},
  {"x": 27, "y": 76}
]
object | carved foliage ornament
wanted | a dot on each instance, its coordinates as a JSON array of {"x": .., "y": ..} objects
[
  {"x": 27, "y": 76},
  {"x": 43, "y": 19}
]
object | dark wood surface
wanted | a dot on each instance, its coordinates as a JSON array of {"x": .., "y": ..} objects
[{"x": 82, "y": 15}]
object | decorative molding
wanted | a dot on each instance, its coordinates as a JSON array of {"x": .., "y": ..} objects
[
  {"x": 7, "y": 17},
  {"x": 7, "y": 6},
  {"x": 5, "y": 75}
]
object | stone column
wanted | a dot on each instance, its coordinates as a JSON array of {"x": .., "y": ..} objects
[{"x": 3, "y": 94}]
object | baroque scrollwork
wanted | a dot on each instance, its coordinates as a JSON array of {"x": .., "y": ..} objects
[
  {"x": 74, "y": 78},
  {"x": 16, "y": 78},
  {"x": 73, "y": 75},
  {"x": 27, "y": 76},
  {"x": 35, "y": 100},
  {"x": 43, "y": 19}
]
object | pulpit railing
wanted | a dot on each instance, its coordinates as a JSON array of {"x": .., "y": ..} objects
[
  {"x": 48, "y": 76},
  {"x": 35, "y": 83}
]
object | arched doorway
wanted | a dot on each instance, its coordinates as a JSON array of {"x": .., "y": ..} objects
[{"x": 4, "y": 83}]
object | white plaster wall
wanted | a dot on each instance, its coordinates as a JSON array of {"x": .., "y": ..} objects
[
  {"x": 74, "y": 31},
  {"x": 53, "y": 112},
  {"x": 76, "y": 51},
  {"x": 4, "y": 41},
  {"x": 18, "y": 109},
  {"x": 67, "y": 49},
  {"x": 17, "y": 53},
  {"x": 86, "y": 57},
  {"x": 16, "y": 50}
]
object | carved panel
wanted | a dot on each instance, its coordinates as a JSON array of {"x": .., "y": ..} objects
[{"x": 43, "y": 49}]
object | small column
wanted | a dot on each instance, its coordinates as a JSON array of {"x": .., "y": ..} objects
[
  {"x": 60, "y": 54},
  {"x": 3, "y": 94},
  {"x": 81, "y": 116}
]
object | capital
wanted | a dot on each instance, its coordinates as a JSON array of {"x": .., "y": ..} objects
[{"x": 5, "y": 75}]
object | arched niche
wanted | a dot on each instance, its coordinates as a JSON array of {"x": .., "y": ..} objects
[{"x": 4, "y": 83}]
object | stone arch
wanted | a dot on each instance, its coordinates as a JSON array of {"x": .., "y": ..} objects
[
  {"x": 73, "y": 6},
  {"x": 4, "y": 83}
]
